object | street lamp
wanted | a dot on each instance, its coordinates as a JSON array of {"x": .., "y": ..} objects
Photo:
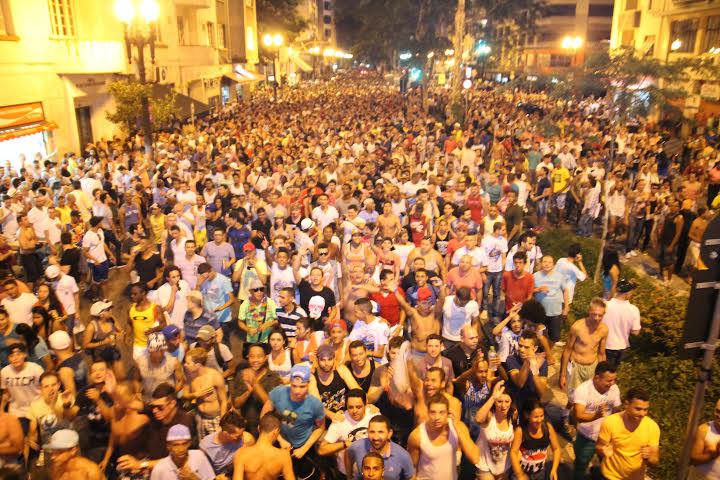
[
  {"x": 674, "y": 47},
  {"x": 139, "y": 31},
  {"x": 274, "y": 42},
  {"x": 573, "y": 44}
]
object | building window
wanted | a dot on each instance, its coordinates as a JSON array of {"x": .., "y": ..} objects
[
  {"x": 598, "y": 35},
  {"x": 560, "y": 60},
  {"x": 210, "y": 28},
  {"x": 600, "y": 10},
  {"x": 62, "y": 18},
  {"x": 6, "y": 28},
  {"x": 628, "y": 38},
  {"x": 181, "y": 30},
  {"x": 686, "y": 32},
  {"x": 222, "y": 35},
  {"x": 327, "y": 19},
  {"x": 631, "y": 5},
  {"x": 712, "y": 33},
  {"x": 328, "y": 5},
  {"x": 328, "y": 34},
  {"x": 560, "y": 10}
]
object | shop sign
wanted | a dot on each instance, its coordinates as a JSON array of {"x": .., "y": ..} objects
[{"x": 18, "y": 115}]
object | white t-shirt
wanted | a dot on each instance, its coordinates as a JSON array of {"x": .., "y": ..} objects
[
  {"x": 455, "y": 317},
  {"x": 177, "y": 316},
  {"x": 186, "y": 197},
  {"x": 621, "y": 317},
  {"x": 279, "y": 279},
  {"x": 494, "y": 248},
  {"x": 477, "y": 253},
  {"x": 374, "y": 334},
  {"x": 23, "y": 386},
  {"x": 188, "y": 268},
  {"x": 324, "y": 218},
  {"x": 348, "y": 429},
  {"x": 20, "y": 309},
  {"x": 95, "y": 243},
  {"x": 572, "y": 273},
  {"x": 532, "y": 256},
  {"x": 586, "y": 394},
  {"x": 65, "y": 289}
]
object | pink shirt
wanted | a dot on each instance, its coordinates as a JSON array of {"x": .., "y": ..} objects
[{"x": 472, "y": 279}]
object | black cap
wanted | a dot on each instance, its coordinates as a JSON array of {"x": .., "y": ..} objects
[
  {"x": 95, "y": 221},
  {"x": 75, "y": 213},
  {"x": 624, "y": 286}
]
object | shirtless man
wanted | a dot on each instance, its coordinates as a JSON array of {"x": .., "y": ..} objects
[
  {"x": 434, "y": 384},
  {"x": 263, "y": 461},
  {"x": 207, "y": 387},
  {"x": 584, "y": 349},
  {"x": 354, "y": 288},
  {"x": 388, "y": 223},
  {"x": 67, "y": 464},
  {"x": 425, "y": 319},
  {"x": 12, "y": 440}
]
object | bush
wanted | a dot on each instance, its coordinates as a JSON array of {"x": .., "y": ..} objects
[{"x": 651, "y": 362}]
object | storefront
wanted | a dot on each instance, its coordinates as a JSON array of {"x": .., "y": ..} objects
[{"x": 24, "y": 132}]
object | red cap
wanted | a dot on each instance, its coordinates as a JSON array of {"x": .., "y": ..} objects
[
  {"x": 338, "y": 323},
  {"x": 249, "y": 247},
  {"x": 424, "y": 293}
]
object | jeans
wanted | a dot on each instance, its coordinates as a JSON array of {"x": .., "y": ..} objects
[
  {"x": 584, "y": 452},
  {"x": 614, "y": 357},
  {"x": 494, "y": 280},
  {"x": 585, "y": 225},
  {"x": 636, "y": 228}
]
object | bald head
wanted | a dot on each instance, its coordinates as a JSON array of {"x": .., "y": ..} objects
[{"x": 469, "y": 337}]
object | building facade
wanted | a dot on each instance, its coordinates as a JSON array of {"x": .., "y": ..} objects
[
  {"x": 539, "y": 50},
  {"x": 63, "y": 54},
  {"x": 670, "y": 30}
]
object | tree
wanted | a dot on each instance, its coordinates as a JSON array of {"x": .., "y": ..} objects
[
  {"x": 280, "y": 16},
  {"x": 128, "y": 96}
]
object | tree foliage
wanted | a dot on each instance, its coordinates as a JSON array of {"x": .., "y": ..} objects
[
  {"x": 128, "y": 96},
  {"x": 280, "y": 16}
]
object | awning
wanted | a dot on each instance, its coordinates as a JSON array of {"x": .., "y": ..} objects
[
  {"x": 26, "y": 130},
  {"x": 302, "y": 64},
  {"x": 246, "y": 74},
  {"x": 237, "y": 78},
  {"x": 183, "y": 102}
]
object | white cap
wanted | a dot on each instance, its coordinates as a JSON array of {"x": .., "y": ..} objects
[
  {"x": 306, "y": 224},
  {"x": 100, "y": 306},
  {"x": 52, "y": 271},
  {"x": 59, "y": 340}
]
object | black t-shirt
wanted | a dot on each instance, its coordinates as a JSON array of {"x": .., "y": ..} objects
[
  {"x": 513, "y": 216},
  {"x": 147, "y": 268},
  {"x": 71, "y": 257},
  {"x": 95, "y": 429},
  {"x": 157, "y": 433},
  {"x": 313, "y": 302}
]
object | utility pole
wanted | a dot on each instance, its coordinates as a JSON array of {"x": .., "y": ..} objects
[{"x": 456, "y": 94}]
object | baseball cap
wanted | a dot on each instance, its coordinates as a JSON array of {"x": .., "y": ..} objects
[
  {"x": 100, "y": 306},
  {"x": 300, "y": 371},
  {"x": 306, "y": 224},
  {"x": 338, "y": 324},
  {"x": 155, "y": 342},
  {"x": 325, "y": 350},
  {"x": 624, "y": 285},
  {"x": 249, "y": 247},
  {"x": 63, "y": 439},
  {"x": 59, "y": 340},
  {"x": 52, "y": 271},
  {"x": 206, "y": 333},
  {"x": 95, "y": 221},
  {"x": 424, "y": 293},
  {"x": 178, "y": 433},
  {"x": 74, "y": 213},
  {"x": 171, "y": 331}
]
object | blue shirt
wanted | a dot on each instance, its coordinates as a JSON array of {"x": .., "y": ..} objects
[
  {"x": 398, "y": 464},
  {"x": 553, "y": 300},
  {"x": 216, "y": 292},
  {"x": 220, "y": 456},
  {"x": 198, "y": 463},
  {"x": 299, "y": 419}
]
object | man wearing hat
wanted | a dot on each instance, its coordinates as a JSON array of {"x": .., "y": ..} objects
[
  {"x": 174, "y": 341},
  {"x": 182, "y": 462},
  {"x": 66, "y": 462},
  {"x": 622, "y": 319},
  {"x": 258, "y": 315},
  {"x": 98, "y": 254},
  {"x": 303, "y": 418},
  {"x": 67, "y": 292},
  {"x": 248, "y": 271},
  {"x": 157, "y": 366},
  {"x": 20, "y": 381},
  {"x": 220, "y": 356}
]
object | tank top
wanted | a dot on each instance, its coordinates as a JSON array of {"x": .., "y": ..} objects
[
  {"x": 441, "y": 244},
  {"x": 332, "y": 395},
  {"x": 533, "y": 453},
  {"x": 437, "y": 461},
  {"x": 142, "y": 320},
  {"x": 355, "y": 255},
  {"x": 668, "y": 231},
  {"x": 711, "y": 469},
  {"x": 474, "y": 398},
  {"x": 364, "y": 382},
  {"x": 494, "y": 445},
  {"x": 283, "y": 370}
]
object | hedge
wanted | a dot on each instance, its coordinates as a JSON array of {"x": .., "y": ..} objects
[{"x": 652, "y": 361}]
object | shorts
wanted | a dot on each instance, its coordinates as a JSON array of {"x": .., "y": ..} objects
[
  {"x": 577, "y": 374},
  {"x": 100, "y": 271},
  {"x": 554, "y": 327},
  {"x": 560, "y": 200},
  {"x": 207, "y": 425}
]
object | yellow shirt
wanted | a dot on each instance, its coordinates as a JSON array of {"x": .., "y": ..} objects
[
  {"x": 142, "y": 320},
  {"x": 560, "y": 177},
  {"x": 64, "y": 213},
  {"x": 157, "y": 223},
  {"x": 626, "y": 463}
]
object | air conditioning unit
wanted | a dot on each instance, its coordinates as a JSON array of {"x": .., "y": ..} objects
[{"x": 161, "y": 74}]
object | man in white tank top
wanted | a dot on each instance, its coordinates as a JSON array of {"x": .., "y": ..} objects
[
  {"x": 706, "y": 448},
  {"x": 434, "y": 444}
]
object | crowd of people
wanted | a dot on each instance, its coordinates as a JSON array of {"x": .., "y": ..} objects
[{"x": 338, "y": 284}]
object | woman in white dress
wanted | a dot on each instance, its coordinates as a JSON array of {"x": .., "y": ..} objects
[{"x": 495, "y": 418}]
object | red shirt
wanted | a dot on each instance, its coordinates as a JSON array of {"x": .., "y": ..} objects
[
  {"x": 517, "y": 290},
  {"x": 389, "y": 306},
  {"x": 418, "y": 229},
  {"x": 475, "y": 204}
]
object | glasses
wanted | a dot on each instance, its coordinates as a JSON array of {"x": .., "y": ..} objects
[
  {"x": 257, "y": 289},
  {"x": 157, "y": 407}
]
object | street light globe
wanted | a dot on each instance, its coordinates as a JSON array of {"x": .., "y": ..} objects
[
  {"x": 577, "y": 42},
  {"x": 566, "y": 43},
  {"x": 277, "y": 39},
  {"x": 676, "y": 44},
  {"x": 467, "y": 83},
  {"x": 267, "y": 40},
  {"x": 150, "y": 10},
  {"x": 124, "y": 10},
  {"x": 430, "y": 54}
]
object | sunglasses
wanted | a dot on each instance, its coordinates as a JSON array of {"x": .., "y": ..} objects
[
  {"x": 257, "y": 289},
  {"x": 322, "y": 253}
]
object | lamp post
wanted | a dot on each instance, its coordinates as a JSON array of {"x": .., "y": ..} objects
[
  {"x": 674, "y": 47},
  {"x": 572, "y": 44},
  {"x": 139, "y": 31},
  {"x": 274, "y": 42}
]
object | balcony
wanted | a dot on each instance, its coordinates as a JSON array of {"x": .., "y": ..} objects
[{"x": 193, "y": 3}]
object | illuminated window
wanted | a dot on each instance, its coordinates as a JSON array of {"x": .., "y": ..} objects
[
  {"x": 62, "y": 18},
  {"x": 712, "y": 33},
  {"x": 686, "y": 32}
]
